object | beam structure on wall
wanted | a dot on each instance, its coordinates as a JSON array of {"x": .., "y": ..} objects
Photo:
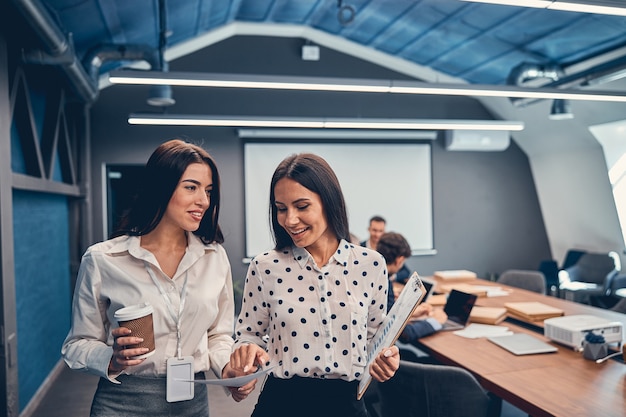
[{"x": 9, "y": 384}]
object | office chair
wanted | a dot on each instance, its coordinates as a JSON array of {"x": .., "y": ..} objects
[
  {"x": 620, "y": 307},
  {"x": 436, "y": 391},
  {"x": 550, "y": 269},
  {"x": 591, "y": 275},
  {"x": 610, "y": 299},
  {"x": 529, "y": 280}
]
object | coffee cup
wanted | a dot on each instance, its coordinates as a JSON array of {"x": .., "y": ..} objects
[{"x": 138, "y": 318}]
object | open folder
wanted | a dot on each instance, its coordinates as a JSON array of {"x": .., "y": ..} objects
[{"x": 393, "y": 324}]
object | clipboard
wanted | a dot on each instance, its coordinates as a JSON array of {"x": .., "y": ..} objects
[{"x": 392, "y": 326}]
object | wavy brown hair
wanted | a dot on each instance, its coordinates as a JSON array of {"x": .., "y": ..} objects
[{"x": 161, "y": 176}]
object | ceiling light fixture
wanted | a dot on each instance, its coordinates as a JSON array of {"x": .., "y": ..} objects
[
  {"x": 357, "y": 134},
  {"x": 194, "y": 79},
  {"x": 320, "y": 123},
  {"x": 561, "y": 110},
  {"x": 608, "y": 7}
]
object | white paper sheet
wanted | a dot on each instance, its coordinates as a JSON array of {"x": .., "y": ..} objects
[
  {"x": 232, "y": 382},
  {"x": 477, "y": 330}
]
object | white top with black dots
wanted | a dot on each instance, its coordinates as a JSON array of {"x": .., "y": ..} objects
[{"x": 318, "y": 320}]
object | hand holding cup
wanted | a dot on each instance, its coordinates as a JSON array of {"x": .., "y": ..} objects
[{"x": 134, "y": 339}]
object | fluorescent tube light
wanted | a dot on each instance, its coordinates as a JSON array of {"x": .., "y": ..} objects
[
  {"x": 615, "y": 8},
  {"x": 191, "y": 79},
  {"x": 359, "y": 134},
  {"x": 321, "y": 123}
]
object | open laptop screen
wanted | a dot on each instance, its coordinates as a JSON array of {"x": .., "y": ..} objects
[{"x": 459, "y": 306}]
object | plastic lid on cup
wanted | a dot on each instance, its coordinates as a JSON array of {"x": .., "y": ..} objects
[{"x": 133, "y": 312}]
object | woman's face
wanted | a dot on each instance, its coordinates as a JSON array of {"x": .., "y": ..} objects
[
  {"x": 300, "y": 212},
  {"x": 190, "y": 199}
]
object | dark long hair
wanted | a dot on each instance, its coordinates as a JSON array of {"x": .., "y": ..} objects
[
  {"x": 312, "y": 172},
  {"x": 161, "y": 176}
]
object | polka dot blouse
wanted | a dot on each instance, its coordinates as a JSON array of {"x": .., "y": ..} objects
[{"x": 317, "y": 320}]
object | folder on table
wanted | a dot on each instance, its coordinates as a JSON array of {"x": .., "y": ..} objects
[
  {"x": 477, "y": 290},
  {"x": 454, "y": 274},
  {"x": 533, "y": 310},
  {"x": 488, "y": 315}
]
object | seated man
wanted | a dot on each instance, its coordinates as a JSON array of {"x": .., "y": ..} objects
[
  {"x": 376, "y": 229},
  {"x": 426, "y": 320}
]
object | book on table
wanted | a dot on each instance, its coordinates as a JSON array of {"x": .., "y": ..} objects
[
  {"x": 477, "y": 290},
  {"x": 455, "y": 275},
  {"x": 533, "y": 310},
  {"x": 488, "y": 315}
]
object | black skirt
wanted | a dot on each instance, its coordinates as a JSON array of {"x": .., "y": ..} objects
[{"x": 309, "y": 397}]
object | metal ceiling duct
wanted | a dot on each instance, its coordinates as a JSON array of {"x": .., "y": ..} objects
[
  {"x": 525, "y": 72},
  {"x": 58, "y": 48},
  {"x": 83, "y": 76}
]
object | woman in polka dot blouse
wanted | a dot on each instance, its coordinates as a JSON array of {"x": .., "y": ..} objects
[{"x": 311, "y": 304}]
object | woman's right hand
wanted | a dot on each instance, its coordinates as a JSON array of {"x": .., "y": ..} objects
[
  {"x": 123, "y": 352},
  {"x": 247, "y": 357}
]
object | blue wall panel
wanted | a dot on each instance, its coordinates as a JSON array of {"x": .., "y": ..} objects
[{"x": 42, "y": 281}]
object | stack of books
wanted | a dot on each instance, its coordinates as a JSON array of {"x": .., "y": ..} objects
[
  {"x": 488, "y": 315},
  {"x": 533, "y": 310}
]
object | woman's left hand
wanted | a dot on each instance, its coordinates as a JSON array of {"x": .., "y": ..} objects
[
  {"x": 238, "y": 393},
  {"x": 386, "y": 364}
]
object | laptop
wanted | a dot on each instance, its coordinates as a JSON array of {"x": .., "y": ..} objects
[
  {"x": 429, "y": 286},
  {"x": 522, "y": 344},
  {"x": 458, "y": 308}
]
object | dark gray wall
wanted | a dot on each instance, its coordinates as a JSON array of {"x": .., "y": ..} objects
[{"x": 486, "y": 212}]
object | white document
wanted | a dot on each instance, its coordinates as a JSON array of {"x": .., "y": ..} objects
[
  {"x": 392, "y": 325},
  {"x": 239, "y": 381},
  {"x": 477, "y": 330}
]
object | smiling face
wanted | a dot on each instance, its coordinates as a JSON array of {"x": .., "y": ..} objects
[
  {"x": 190, "y": 199},
  {"x": 300, "y": 212}
]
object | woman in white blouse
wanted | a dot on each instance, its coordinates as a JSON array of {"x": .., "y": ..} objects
[
  {"x": 166, "y": 252},
  {"x": 316, "y": 298}
]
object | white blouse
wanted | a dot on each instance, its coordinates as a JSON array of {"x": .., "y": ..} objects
[
  {"x": 113, "y": 275},
  {"x": 318, "y": 320}
]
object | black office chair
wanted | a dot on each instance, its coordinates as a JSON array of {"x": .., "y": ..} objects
[
  {"x": 550, "y": 269},
  {"x": 609, "y": 299},
  {"x": 527, "y": 279},
  {"x": 592, "y": 275},
  {"x": 436, "y": 391},
  {"x": 620, "y": 306}
]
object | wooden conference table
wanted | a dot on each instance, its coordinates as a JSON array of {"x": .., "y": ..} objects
[{"x": 552, "y": 384}]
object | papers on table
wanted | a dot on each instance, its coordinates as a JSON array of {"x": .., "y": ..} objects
[
  {"x": 476, "y": 330},
  {"x": 492, "y": 291},
  {"x": 478, "y": 290},
  {"x": 497, "y": 292}
]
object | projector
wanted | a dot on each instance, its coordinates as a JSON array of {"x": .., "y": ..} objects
[{"x": 571, "y": 330}]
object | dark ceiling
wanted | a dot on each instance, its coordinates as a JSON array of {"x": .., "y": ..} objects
[{"x": 475, "y": 42}]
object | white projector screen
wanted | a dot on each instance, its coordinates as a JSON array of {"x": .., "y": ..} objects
[{"x": 392, "y": 180}]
